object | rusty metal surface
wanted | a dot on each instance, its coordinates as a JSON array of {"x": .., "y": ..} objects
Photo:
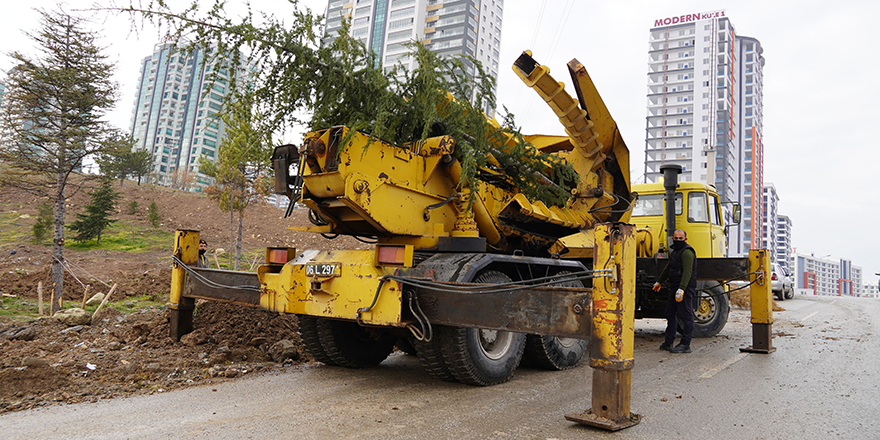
[
  {"x": 762, "y": 339},
  {"x": 193, "y": 288},
  {"x": 557, "y": 311}
]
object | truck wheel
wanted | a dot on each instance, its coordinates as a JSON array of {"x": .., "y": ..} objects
[
  {"x": 480, "y": 356},
  {"x": 554, "y": 353},
  {"x": 431, "y": 357},
  {"x": 308, "y": 332},
  {"x": 711, "y": 309},
  {"x": 350, "y": 345}
]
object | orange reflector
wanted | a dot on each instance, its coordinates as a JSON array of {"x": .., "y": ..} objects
[
  {"x": 276, "y": 256},
  {"x": 392, "y": 254}
]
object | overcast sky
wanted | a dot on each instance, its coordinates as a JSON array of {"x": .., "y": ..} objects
[{"x": 821, "y": 92}]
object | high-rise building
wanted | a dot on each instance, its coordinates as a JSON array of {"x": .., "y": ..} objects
[
  {"x": 174, "y": 111},
  {"x": 784, "y": 255},
  {"x": 450, "y": 28},
  {"x": 822, "y": 276},
  {"x": 770, "y": 208},
  {"x": 704, "y": 113}
]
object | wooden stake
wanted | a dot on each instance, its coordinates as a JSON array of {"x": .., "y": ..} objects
[
  {"x": 106, "y": 298},
  {"x": 86, "y": 296},
  {"x": 40, "y": 297}
]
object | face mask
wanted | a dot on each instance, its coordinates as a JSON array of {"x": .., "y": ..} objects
[
  {"x": 678, "y": 245},
  {"x": 202, "y": 251}
]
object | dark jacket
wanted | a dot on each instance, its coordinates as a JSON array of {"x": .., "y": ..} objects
[{"x": 681, "y": 275}]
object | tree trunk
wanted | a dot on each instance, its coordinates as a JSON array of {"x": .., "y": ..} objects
[
  {"x": 231, "y": 231},
  {"x": 238, "y": 239},
  {"x": 58, "y": 246}
]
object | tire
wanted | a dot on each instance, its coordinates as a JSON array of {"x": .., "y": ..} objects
[
  {"x": 350, "y": 345},
  {"x": 780, "y": 295},
  {"x": 431, "y": 357},
  {"x": 308, "y": 332},
  {"x": 479, "y": 356},
  {"x": 554, "y": 353},
  {"x": 710, "y": 309},
  {"x": 790, "y": 294}
]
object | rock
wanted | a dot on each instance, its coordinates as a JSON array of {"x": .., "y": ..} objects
[
  {"x": 107, "y": 313},
  {"x": 95, "y": 299},
  {"x": 74, "y": 316},
  {"x": 19, "y": 333},
  {"x": 75, "y": 328},
  {"x": 154, "y": 367},
  {"x": 114, "y": 346},
  {"x": 232, "y": 372},
  {"x": 34, "y": 362},
  {"x": 219, "y": 358},
  {"x": 197, "y": 337},
  {"x": 282, "y": 350},
  {"x": 258, "y": 341}
]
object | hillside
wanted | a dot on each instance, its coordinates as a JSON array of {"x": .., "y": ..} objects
[{"x": 126, "y": 349}]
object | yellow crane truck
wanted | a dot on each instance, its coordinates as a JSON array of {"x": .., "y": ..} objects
[{"x": 435, "y": 240}]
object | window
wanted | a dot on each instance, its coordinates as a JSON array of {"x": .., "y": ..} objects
[
  {"x": 697, "y": 208},
  {"x": 714, "y": 212}
]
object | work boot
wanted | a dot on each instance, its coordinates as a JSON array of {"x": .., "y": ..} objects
[
  {"x": 680, "y": 349},
  {"x": 665, "y": 346}
]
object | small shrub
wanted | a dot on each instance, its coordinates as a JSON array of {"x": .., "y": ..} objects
[
  {"x": 153, "y": 214},
  {"x": 44, "y": 221},
  {"x": 133, "y": 207}
]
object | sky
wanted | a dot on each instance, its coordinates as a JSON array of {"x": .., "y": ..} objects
[{"x": 821, "y": 94}]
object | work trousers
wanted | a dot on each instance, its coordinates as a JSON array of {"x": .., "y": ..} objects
[{"x": 684, "y": 311}]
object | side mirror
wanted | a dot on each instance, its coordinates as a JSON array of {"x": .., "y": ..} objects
[
  {"x": 737, "y": 214},
  {"x": 282, "y": 158}
]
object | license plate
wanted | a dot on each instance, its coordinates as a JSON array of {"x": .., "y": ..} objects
[{"x": 322, "y": 269}]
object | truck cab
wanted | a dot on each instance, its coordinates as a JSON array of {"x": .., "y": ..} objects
[{"x": 697, "y": 211}]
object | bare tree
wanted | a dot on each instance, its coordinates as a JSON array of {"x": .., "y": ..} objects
[{"x": 54, "y": 118}]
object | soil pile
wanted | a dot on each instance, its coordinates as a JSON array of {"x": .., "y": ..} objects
[{"x": 46, "y": 361}]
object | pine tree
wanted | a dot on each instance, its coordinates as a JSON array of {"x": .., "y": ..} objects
[
  {"x": 53, "y": 118},
  {"x": 44, "y": 222},
  {"x": 153, "y": 214},
  {"x": 91, "y": 224},
  {"x": 341, "y": 83},
  {"x": 117, "y": 160}
]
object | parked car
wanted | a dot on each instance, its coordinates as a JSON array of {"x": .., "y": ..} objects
[{"x": 780, "y": 283}]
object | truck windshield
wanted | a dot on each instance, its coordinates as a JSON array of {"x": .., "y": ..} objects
[{"x": 652, "y": 204}]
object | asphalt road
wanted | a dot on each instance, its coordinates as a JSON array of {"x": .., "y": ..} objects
[{"x": 822, "y": 382}]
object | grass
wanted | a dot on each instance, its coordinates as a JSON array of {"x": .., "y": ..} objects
[
  {"x": 127, "y": 236},
  {"x": 20, "y": 310},
  {"x": 16, "y": 230}
]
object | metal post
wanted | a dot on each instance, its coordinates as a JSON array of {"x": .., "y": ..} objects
[
  {"x": 186, "y": 248},
  {"x": 612, "y": 340},
  {"x": 762, "y": 303}
]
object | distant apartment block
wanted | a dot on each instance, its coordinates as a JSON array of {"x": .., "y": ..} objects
[
  {"x": 784, "y": 255},
  {"x": 173, "y": 116},
  {"x": 823, "y": 276},
  {"x": 705, "y": 113}
]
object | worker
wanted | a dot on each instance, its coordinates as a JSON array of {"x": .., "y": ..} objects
[
  {"x": 682, "y": 274},
  {"x": 203, "y": 258}
]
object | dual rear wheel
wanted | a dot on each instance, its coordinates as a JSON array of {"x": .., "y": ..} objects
[{"x": 469, "y": 355}]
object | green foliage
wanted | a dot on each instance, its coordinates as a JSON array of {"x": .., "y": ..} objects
[
  {"x": 44, "y": 221},
  {"x": 342, "y": 83},
  {"x": 132, "y": 208},
  {"x": 242, "y": 173},
  {"x": 153, "y": 214},
  {"x": 91, "y": 224},
  {"x": 128, "y": 236},
  {"x": 117, "y": 160}
]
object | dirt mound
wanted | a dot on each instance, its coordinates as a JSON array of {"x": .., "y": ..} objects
[
  {"x": 124, "y": 354},
  {"x": 742, "y": 299},
  {"x": 132, "y": 354}
]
